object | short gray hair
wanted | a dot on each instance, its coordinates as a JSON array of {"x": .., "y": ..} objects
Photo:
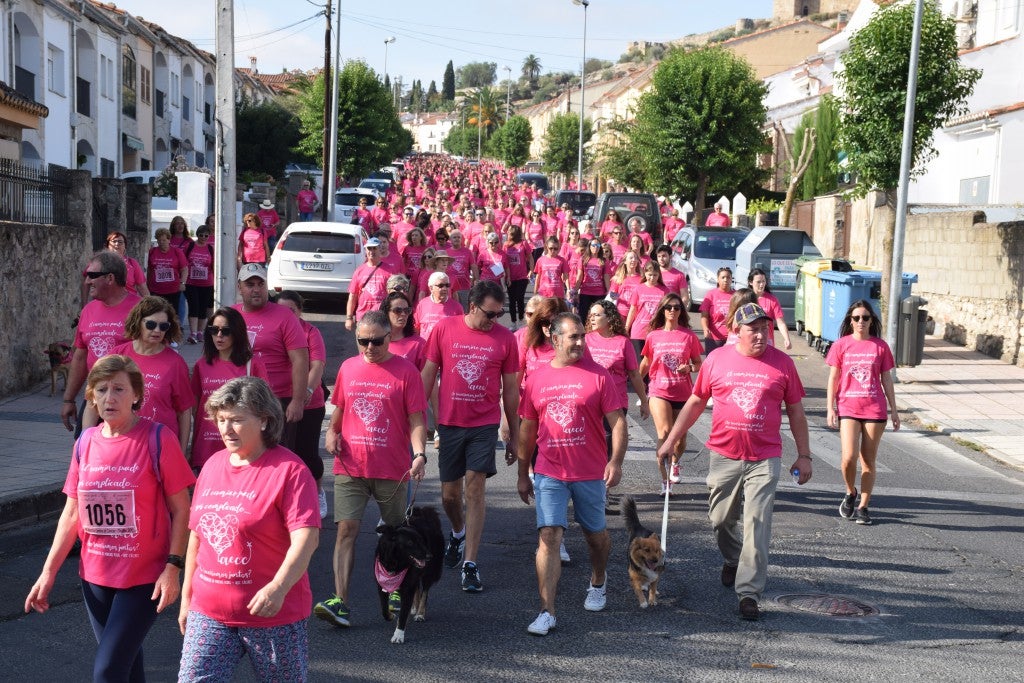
[
  {"x": 252, "y": 394},
  {"x": 378, "y": 318},
  {"x": 436, "y": 277}
]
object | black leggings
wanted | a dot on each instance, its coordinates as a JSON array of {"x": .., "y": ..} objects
[
  {"x": 586, "y": 301},
  {"x": 307, "y": 440},
  {"x": 121, "y": 618},
  {"x": 517, "y": 299}
]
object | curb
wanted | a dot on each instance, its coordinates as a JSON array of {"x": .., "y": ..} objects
[{"x": 31, "y": 507}]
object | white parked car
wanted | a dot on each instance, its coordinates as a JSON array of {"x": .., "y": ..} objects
[
  {"x": 698, "y": 253},
  {"x": 346, "y": 201},
  {"x": 316, "y": 257}
]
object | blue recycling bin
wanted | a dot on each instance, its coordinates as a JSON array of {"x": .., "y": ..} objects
[{"x": 840, "y": 290}]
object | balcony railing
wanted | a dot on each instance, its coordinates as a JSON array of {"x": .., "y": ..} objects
[{"x": 31, "y": 195}]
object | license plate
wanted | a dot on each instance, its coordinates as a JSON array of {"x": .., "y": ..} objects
[{"x": 315, "y": 265}]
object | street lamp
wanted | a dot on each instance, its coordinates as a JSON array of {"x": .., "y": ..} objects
[
  {"x": 387, "y": 42},
  {"x": 508, "y": 95},
  {"x": 583, "y": 77}
]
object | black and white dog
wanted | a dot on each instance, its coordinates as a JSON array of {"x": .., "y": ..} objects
[{"x": 409, "y": 560}]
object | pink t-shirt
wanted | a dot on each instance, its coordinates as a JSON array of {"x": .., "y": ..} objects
[
  {"x": 518, "y": 260},
  {"x": 594, "y": 273},
  {"x": 393, "y": 262},
  {"x": 748, "y": 394},
  {"x": 861, "y": 364},
  {"x": 666, "y": 351},
  {"x": 551, "y": 272},
  {"x": 645, "y": 299},
  {"x": 164, "y": 275},
  {"x": 206, "y": 379},
  {"x": 535, "y": 234},
  {"x": 253, "y": 243},
  {"x": 167, "y": 392},
  {"x": 568, "y": 404},
  {"x": 101, "y": 327},
  {"x": 429, "y": 313},
  {"x": 244, "y": 516},
  {"x": 716, "y": 305},
  {"x": 306, "y": 200},
  {"x": 269, "y": 220},
  {"x": 459, "y": 268},
  {"x": 116, "y": 474},
  {"x": 673, "y": 279},
  {"x": 624, "y": 293},
  {"x": 317, "y": 351},
  {"x": 273, "y": 332},
  {"x": 200, "y": 266},
  {"x": 376, "y": 400},
  {"x": 616, "y": 355},
  {"x": 493, "y": 265},
  {"x": 134, "y": 275},
  {"x": 471, "y": 364},
  {"x": 370, "y": 287},
  {"x": 411, "y": 348},
  {"x": 718, "y": 220}
]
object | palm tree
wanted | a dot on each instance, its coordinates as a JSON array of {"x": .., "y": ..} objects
[
  {"x": 482, "y": 108},
  {"x": 531, "y": 68}
]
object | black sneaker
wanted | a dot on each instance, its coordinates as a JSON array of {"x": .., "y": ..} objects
[
  {"x": 749, "y": 611},
  {"x": 471, "y": 578},
  {"x": 848, "y": 505},
  {"x": 861, "y": 516},
  {"x": 453, "y": 553}
]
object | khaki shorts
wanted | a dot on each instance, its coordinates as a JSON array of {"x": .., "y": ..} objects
[{"x": 351, "y": 495}]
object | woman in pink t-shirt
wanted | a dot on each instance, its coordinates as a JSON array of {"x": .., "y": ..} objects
[
  {"x": 758, "y": 281},
  {"x": 166, "y": 269},
  {"x": 252, "y": 242},
  {"x": 671, "y": 354},
  {"x": 404, "y": 340},
  {"x": 714, "y": 310},
  {"x": 520, "y": 264},
  {"x": 640, "y": 248},
  {"x": 127, "y": 501},
  {"x": 643, "y": 304},
  {"x": 859, "y": 389},
  {"x": 255, "y": 525},
  {"x": 151, "y": 326},
  {"x": 593, "y": 276},
  {"x": 626, "y": 277},
  {"x": 199, "y": 285},
  {"x": 226, "y": 355},
  {"x": 609, "y": 346},
  {"x": 552, "y": 272},
  {"x": 307, "y": 431},
  {"x": 611, "y": 223}
]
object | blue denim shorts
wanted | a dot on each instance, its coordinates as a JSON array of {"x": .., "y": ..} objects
[{"x": 552, "y": 502}]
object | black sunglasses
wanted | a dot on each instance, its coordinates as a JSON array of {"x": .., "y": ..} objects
[
  {"x": 442, "y": 285},
  {"x": 152, "y": 325},
  {"x": 673, "y": 307},
  {"x": 371, "y": 341},
  {"x": 94, "y": 274},
  {"x": 401, "y": 310},
  {"x": 219, "y": 331},
  {"x": 859, "y": 318},
  {"x": 491, "y": 315}
]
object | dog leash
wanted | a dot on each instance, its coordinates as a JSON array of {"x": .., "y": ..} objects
[{"x": 412, "y": 500}]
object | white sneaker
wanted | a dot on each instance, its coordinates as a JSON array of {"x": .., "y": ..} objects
[
  {"x": 323, "y": 503},
  {"x": 676, "y": 473},
  {"x": 564, "y": 554},
  {"x": 595, "y": 601},
  {"x": 542, "y": 624},
  {"x": 666, "y": 486}
]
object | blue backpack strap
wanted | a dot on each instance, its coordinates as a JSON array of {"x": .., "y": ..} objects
[
  {"x": 84, "y": 440},
  {"x": 155, "y": 447}
]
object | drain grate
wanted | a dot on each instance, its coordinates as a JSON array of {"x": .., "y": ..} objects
[{"x": 827, "y": 605}]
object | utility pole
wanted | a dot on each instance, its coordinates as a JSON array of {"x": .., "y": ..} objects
[
  {"x": 328, "y": 182},
  {"x": 479, "y": 121},
  {"x": 225, "y": 174},
  {"x": 508, "y": 95},
  {"x": 332, "y": 164}
]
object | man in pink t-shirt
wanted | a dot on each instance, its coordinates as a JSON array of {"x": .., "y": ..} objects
[
  {"x": 369, "y": 285},
  {"x": 718, "y": 219},
  {"x": 562, "y": 410},
  {"x": 306, "y": 201},
  {"x": 675, "y": 282},
  {"x": 278, "y": 340},
  {"x": 269, "y": 220},
  {"x": 100, "y": 326},
  {"x": 749, "y": 381},
  {"x": 378, "y": 413},
  {"x": 477, "y": 359},
  {"x": 436, "y": 306}
]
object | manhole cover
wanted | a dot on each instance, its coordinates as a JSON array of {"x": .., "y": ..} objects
[{"x": 827, "y": 605}]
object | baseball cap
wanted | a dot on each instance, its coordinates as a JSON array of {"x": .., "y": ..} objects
[
  {"x": 252, "y": 270},
  {"x": 749, "y": 313},
  {"x": 373, "y": 242}
]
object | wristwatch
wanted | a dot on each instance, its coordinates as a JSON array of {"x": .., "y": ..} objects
[
  {"x": 420, "y": 455},
  {"x": 176, "y": 560}
]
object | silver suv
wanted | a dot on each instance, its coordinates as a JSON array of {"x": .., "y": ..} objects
[{"x": 698, "y": 253}]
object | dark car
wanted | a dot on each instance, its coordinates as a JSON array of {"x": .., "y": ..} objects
[
  {"x": 538, "y": 179},
  {"x": 630, "y": 206},
  {"x": 580, "y": 202}
]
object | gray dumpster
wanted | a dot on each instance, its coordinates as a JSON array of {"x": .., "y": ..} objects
[
  {"x": 775, "y": 250},
  {"x": 910, "y": 330}
]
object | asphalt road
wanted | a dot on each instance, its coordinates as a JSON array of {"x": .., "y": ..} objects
[{"x": 941, "y": 568}]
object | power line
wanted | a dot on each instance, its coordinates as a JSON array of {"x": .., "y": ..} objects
[
  {"x": 492, "y": 33},
  {"x": 263, "y": 34}
]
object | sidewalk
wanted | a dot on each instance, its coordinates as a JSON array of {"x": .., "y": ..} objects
[{"x": 959, "y": 392}]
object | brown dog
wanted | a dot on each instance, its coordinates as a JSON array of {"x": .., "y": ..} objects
[
  {"x": 59, "y": 354},
  {"x": 646, "y": 558}
]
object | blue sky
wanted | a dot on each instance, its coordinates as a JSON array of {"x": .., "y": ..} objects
[{"x": 286, "y": 34}]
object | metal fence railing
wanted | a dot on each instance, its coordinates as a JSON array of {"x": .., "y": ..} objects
[{"x": 33, "y": 195}]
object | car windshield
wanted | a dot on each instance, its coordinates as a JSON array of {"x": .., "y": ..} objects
[
  {"x": 381, "y": 185},
  {"x": 721, "y": 247},
  {"x": 579, "y": 202},
  {"x": 626, "y": 206},
  {"x": 352, "y": 199},
  {"x": 319, "y": 243}
]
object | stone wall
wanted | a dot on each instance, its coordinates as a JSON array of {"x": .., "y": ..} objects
[{"x": 41, "y": 273}]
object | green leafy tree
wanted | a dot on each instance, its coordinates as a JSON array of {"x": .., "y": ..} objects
[
  {"x": 476, "y": 74},
  {"x": 511, "y": 142},
  {"x": 562, "y": 144},
  {"x": 432, "y": 96},
  {"x": 874, "y": 86},
  {"x": 619, "y": 160},
  {"x": 700, "y": 125},
  {"x": 820, "y": 178},
  {"x": 265, "y": 136},
  {"x": 369, "y": 133},
  {"x": 482, "y": 108},
  {"x": 448, "y": 82},
  {"x": 461, "y": 140},
  {"x": 531, "y": 69}
]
